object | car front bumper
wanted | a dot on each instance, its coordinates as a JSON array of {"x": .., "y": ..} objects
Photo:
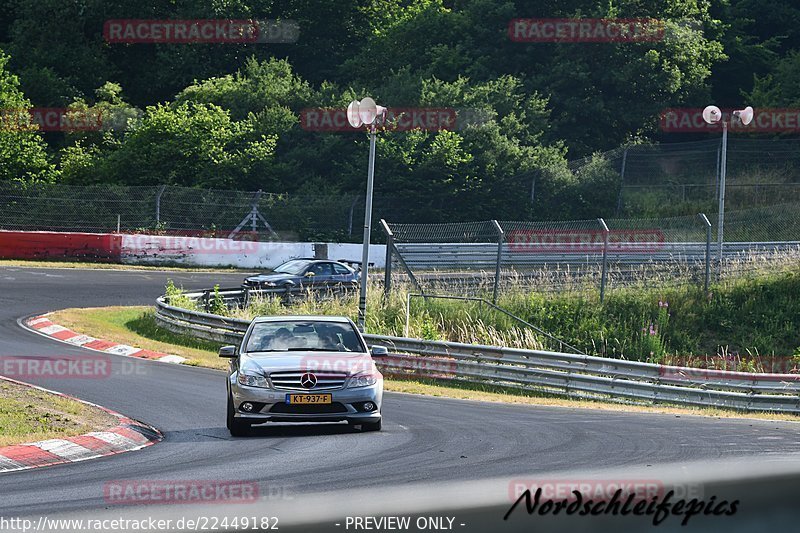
[{"x": 270, "y": 405}]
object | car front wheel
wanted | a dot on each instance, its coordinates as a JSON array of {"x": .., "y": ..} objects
[{"x": 238, "y": 428}]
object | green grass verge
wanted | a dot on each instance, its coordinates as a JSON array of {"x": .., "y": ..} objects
[
  {"x": 136, "y": 326},
  {"x": 29, "y": 415}
]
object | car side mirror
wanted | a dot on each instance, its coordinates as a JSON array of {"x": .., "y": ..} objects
[
  {"x": 309, "y": 274},
  {"x": 379, "y": 351},
  {"x": 228, "y": 351}
]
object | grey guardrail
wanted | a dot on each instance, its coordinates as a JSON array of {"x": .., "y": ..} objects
[
  {"x": 558, "y": 373},
  {"x": 484, "y": 255}
]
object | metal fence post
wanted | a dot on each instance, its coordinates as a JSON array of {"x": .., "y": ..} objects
[
  {"x": 622, "y": 179},
  {"x": 704, "y": 218},
  {"x": 500, "y": 239},
  {"x": 716, "y": 175},
  {"x": 158, "y": 203},
  {"x": 605, "y": 260},
  {"x": 350, "y": 216},
  {"x": 387, "y": 271}
]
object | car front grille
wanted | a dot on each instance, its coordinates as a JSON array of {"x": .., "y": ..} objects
[{"x": 291, "y": 380}]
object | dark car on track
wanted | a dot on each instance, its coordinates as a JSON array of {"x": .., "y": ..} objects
[{"x": 300, "y": 274}]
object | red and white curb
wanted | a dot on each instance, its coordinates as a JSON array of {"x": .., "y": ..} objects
[
  {"x": 41, "y": 324},
  {"x": 128, "y": 435}
]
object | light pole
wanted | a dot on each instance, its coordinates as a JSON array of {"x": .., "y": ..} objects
[
  {"x": 366, "y": 113},
  {"x": 712, "y": 115}
]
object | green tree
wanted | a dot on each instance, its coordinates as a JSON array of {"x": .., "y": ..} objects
[
  {"x": 185, "y": 144},
  {"x": 600, "y": 93},
  {"x": 23, "y": 156},
  {"x": 781, "y": 88},
  {"x": 757, "y": 37}
]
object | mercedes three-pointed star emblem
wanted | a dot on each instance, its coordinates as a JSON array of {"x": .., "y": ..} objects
[{"x": 308, "y": 380}]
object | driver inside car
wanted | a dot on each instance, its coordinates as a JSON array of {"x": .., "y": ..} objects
[{"x": 283, "y": 340}]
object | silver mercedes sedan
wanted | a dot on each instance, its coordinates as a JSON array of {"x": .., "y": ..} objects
[{"x": 303, "y": 369}]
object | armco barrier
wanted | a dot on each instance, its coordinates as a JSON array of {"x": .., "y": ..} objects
[
  {"x": 565, "y": 374},
  {"x": 474, "y": 256},
  {"x": 52, "y": 245}
]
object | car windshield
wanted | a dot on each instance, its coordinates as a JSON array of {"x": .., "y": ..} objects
[
  {"x": 292, "y": 267},
  {"x": 304, "y": 335}
]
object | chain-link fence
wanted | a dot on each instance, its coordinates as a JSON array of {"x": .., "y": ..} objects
[
  {"x": 493, "y": 256},
  {"x": 169, "y": 209},
  {"x": 666, "y": 179},
  {"x": 759, "y": 172}
]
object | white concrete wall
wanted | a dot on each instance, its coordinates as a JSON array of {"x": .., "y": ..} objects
[{"x": 200, "y": 251}]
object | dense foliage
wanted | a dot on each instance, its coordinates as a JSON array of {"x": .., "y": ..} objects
[{"x": 229, "y": 115}]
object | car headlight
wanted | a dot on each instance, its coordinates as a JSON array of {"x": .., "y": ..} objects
[
  {"x": 252, "y": 380},
  {"x": 261, "y": 283},
  {"x": 362, "y": 380}
]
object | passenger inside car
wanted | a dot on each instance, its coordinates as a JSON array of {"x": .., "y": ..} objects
[{"x": 330, "y": 340}]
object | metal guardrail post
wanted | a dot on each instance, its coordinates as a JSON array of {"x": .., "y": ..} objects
[
  {"x": 704, "y": 218},
  {"x": 387, "y": 270},
  {"x": 604, "y": 270},
  {"x": 408, "y": 314},
  {"x": 500, "y": 238}
]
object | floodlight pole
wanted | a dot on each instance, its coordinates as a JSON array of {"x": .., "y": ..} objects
[
  {"x": 362, "y": 300},
  {"x": 723, "y": 170},
  {"x": 712, "y": 115}
]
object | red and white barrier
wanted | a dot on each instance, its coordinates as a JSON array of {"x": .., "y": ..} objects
[
  {"x": 171, "y": 249},
  {"x": 52, "y": 245}
]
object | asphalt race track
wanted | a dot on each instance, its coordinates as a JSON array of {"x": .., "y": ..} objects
[{"x": 424, "y": 440}]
